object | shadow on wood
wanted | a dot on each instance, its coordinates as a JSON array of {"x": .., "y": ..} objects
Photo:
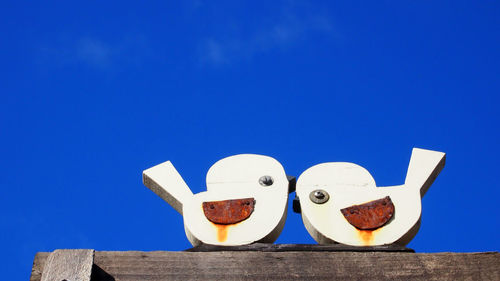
[
  {"x": 264, "y": 247},
  {"x": 98, "y": 274}
]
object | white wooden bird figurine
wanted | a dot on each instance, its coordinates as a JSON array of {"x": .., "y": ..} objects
[
  {"x": 245, "y": 201},
  {"x": 340, "y": 202}
]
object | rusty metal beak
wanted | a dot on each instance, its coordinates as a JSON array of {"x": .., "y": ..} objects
[
  {"x": 371, "y": 215},
  {"x": 229, "y": 211}
]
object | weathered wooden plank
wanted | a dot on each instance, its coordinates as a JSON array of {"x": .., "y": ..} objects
[
  {"x": 148, "y": 266},
  {"x": 38, "y": 265},
  {"x": 70, "y": 265}
]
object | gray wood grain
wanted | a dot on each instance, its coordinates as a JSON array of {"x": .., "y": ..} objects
[
  {"x": 38, "y": 265},
  {"x": 69, "y": 265},
  {"x": 303, "y": 265}
]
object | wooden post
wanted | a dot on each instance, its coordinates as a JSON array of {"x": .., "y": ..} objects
[{"x": 69, "y": 265}]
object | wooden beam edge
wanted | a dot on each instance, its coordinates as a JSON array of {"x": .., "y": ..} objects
[{"x": 489, "y": 262}]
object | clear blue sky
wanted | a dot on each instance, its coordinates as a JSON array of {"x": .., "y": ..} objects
[{"x": 93, "y": 93}]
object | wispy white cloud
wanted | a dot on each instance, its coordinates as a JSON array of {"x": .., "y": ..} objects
[
  {"x": 214, "y": 51},
  {"x": 290, "y": 27},
  {"x": 93, "y": 52}
]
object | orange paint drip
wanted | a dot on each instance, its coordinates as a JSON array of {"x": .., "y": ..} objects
[
  {"x": 366, "y": 236},
  {"x": 221, "y": 232}
]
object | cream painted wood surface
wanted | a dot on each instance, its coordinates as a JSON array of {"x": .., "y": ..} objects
[
  {"x": 234, "y": 177},
  {"x": 349, "y": 184}
]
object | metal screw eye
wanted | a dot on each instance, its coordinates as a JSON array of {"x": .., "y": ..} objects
[
  {"x": 266, "y": 180},
  {"x": 319, "y": 196}
]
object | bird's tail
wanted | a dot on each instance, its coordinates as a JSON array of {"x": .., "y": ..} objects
[
  {"x": 166, "y": 182},
  {"x": 425, "y": 165}
]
